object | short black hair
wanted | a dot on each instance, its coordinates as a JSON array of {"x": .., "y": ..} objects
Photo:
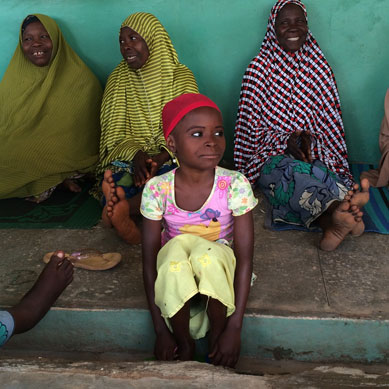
[{"x": 28, "y": 20}]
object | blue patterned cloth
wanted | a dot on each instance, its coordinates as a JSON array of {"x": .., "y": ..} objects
[
  {"x": 6, "y": 326},
  {"x": 123, "y": 172},
  {"x": 299, "y": 192}
]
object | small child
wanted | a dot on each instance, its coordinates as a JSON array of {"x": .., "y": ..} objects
[{"x": 200, "y": 279}]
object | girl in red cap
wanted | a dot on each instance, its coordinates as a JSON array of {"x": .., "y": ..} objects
[{"x": 197, "y": 273}]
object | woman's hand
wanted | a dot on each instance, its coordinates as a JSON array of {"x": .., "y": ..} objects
[
  {"x": 146, "y": 167},
  {"x": 299, "y": 146},
  {"x": 227, "y": 348},
  {"x": 141, "y": 170},
  {"x": 155, "y": 162},
  {"x": 306, "y": 141}
]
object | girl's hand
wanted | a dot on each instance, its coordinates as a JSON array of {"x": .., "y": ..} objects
[
  {"x": 165, "y": 347},
  {"x": 227, "y": 349},
  {"x": 141, "y": 171}
]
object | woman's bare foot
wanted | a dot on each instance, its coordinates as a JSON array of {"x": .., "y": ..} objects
[
  {"x": 359, "y": 196},
  {"x": 71, "y": 185},
  {"x": 118, "y": 210},
  {"x": 55, "y": 277},
  {"x": 359, "y": 229},
  {"x": 343, "y": 220},
  {"x": 108, "y": 188}
]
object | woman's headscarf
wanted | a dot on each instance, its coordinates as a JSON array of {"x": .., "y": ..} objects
[
  {"x": 133, "y": 99},
  {"x": 286, "y": 92},
  {"x": 49, "y": 119}
]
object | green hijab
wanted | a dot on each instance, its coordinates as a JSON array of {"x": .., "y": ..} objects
[
  {"x": 133, "y": 99},
  {"x": 49, "y": 119}
]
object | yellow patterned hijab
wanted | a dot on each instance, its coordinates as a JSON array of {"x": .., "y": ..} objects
[
  {"x": 133, "y": 99},
  {"x": 49, "y": 119}
]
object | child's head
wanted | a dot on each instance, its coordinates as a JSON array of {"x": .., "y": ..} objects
[{"x": 193, "y": 129}]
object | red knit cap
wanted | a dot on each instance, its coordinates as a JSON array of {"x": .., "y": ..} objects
[{"x": 176, "y": 109}]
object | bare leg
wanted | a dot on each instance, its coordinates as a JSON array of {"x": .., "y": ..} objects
[
  {"x": 55, "y": 277},
  {"x": 180, "y": 325},
  {"x": 342, "y": 221},
  {"x": 217, "y": 314},
  {"x": 108, "y": 188},
  {"x": 118, "y": 210},
  {"x": 71, "y": 185}
]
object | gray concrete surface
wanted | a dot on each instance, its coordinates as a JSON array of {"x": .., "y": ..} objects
[
  {"x": 294, "y": 276},
  {"x": 54, "y": 373}
]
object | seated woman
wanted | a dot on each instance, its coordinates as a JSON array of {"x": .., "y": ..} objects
[
  {"x": 289, "y": 135},
  {"x": 132, "y": 146},
  {"x": 380, "y": 177},
  {"x": 49, "y": 114}
]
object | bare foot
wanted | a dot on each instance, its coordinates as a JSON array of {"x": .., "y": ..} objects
[
  {"x": 186, "y": 351},
  {"x": 359, "y": 228},
  {"x": 343, "y": 220},
  {"x": 359, "y": 196},
  {"x": 71, "y": 185},
  {"x": 108, "y": 188},
  {"x": 118, "y": 210},
  {"x": 55, "y": 277}
]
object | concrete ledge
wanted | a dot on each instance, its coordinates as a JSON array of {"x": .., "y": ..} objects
[{"x": 277, "y": 337}]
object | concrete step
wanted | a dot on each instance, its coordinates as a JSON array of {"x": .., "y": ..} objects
[
  {"x": 305, "y": 304},
  {"x": 263, "y": 336},
  {"x": 116, "y": 371}
]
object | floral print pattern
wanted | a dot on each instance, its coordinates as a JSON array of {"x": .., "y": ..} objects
[
  {"x": 230, "y": 196},
  {"x": 299, "y": 192}
]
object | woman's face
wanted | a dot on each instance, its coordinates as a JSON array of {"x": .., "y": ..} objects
[
  {"x": 133, "y": 48},
  {"x": 291, "y": 27},
  {"x": 37, "y": 45}
]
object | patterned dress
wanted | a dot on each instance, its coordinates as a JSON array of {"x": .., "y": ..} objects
[{"x": 284, "y": 92}]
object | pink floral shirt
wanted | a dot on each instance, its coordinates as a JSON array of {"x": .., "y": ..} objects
[{"x": 231, "y": 196}]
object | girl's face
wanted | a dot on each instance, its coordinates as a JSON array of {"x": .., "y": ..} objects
[
  {"x": 37, "y": 45},
  {"x": 291, "y": 27},
  {"x": 198, "y": 139},
  {"x": 133, "y": 48}
]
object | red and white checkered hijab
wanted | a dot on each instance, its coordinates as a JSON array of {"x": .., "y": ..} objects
[{"x": 286, "y": 92}]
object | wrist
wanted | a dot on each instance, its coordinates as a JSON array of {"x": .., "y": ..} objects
[
  {"x": 234, "y": 323},
  {"x": 161, "y": 330}
]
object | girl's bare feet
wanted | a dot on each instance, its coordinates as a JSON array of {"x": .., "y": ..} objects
[
  {"x": 118, "y": 210},
  {"x": 186, "y": 350},
  {"x": 108, "y": 188},
  {"x": 343, "y": 220}
]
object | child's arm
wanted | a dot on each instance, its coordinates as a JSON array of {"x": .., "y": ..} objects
[
  {"x": 165, "y": 345},
  {"x": 227, "y": 349}
]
